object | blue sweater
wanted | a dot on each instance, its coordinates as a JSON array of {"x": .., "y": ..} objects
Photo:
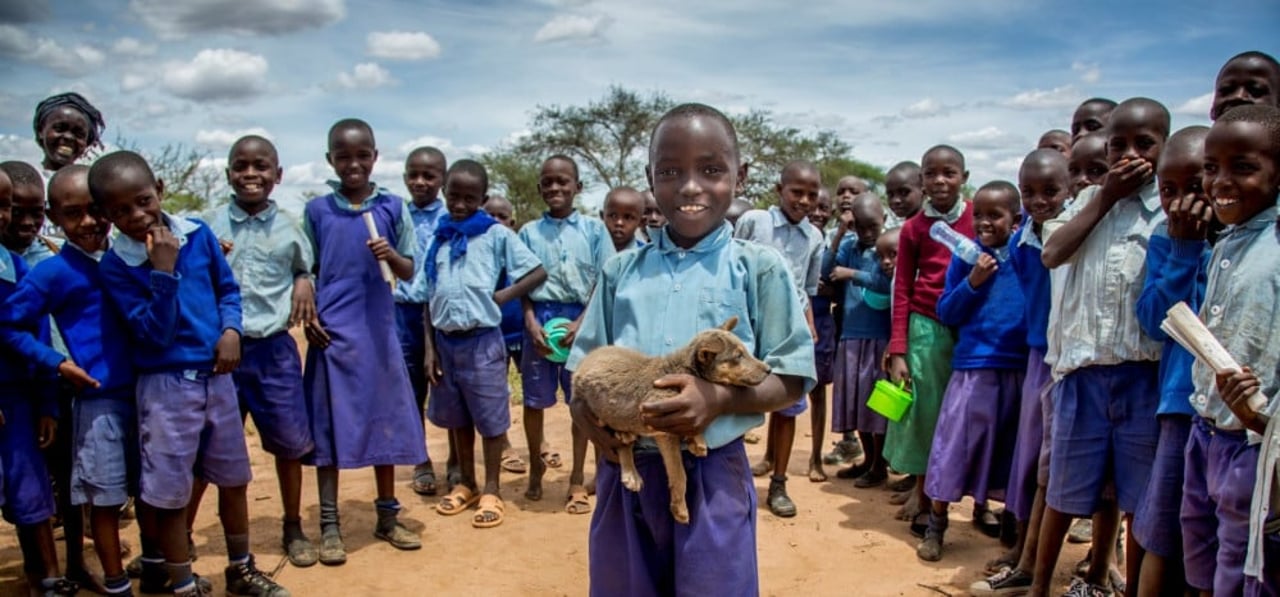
[
  {"x": 1177, "y": 270},
  {"x": 176, "y": 319},
  {"x": 1033, "y": 277},
  {"x": 69, "y": 287},
  {"x": 859, "y": 321},
  {"x": 18, "y": 378},
  {"x": 992, "y": 334}
]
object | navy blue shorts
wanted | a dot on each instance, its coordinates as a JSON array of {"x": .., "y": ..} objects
[
  {"x": 540, "y": 376},
  {"x": 269, "y": 386},
  {"x": 473, "y": 392},
  {"x": 28, "y": 496},
  {"x": 1156, "y": 525},
  {"x": 824, "y": 350}
]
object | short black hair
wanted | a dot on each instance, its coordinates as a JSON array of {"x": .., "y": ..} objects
[
  {"x": 944, "y": 148},
  {"x": 351, "y": 123},
  {"x": 429, "y": 151},
  {"x": 1010, "y": 191},
  {"x": 1146, "y": 103},
  {"x": 252, "y": 139},
  {"x": 22, "y": 174},
  {"x": 694, "y": 110},
  {"x": 96, "y": 123},
  {"x": 64, "y": 172},
  {"x": 1044, "y": 154},
  {"x": 1266, "y": 116},
  {"x": 560, "y": 157},
  {"x": 110, "y": 166},
  {"x": 1263, "y": 56},
  {"x": 471, "y": 167},
  {"x": 911, "y": 168},
  {"x": 1109, "y": 103},
  {"x": 795, "y": 166},
  {"x": 1185, "y": 138}
]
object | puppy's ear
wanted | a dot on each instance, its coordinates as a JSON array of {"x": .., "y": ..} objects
[
  {"x": 705, "y": 355},
  {"x": 729, "y": 324}
]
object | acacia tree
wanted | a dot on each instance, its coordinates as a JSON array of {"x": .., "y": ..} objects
[
  {"x": 192, "y": 183},
  {"x": 513, "y": 173}
]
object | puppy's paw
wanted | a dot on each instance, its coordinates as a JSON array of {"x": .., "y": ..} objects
[
  {"x": 632, "y": 481},
  {"x": 698, "y": 446},
  {"x": 680, "y": 512}
]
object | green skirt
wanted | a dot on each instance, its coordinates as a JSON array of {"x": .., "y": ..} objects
[{"x": 929, "y": 346}]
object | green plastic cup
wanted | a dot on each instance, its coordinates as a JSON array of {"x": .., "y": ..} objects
[
  {"x": 556, "y": 330},
  {"x": 889, "y": 399}
]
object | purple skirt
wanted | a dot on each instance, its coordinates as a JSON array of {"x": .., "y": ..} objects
[
  {"x": 1024, "y": 475},
  {"x": 856, "y": 369},
  {"x": 973, "y": 442}
]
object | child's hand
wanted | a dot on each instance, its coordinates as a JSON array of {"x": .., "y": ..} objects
[
  {"x": 47, "y": 431},
  {"x": 596, "y": 431},
  {"x": 983, "y": 270},
  {"x": 304, "y": 301},
  {"x": 381, "y": 249},
  {"x": 896, "y": 367},
  {"x": 825, "y": 289},
  {"x": 226, "y": 353},
  {"x": 842, "y": 274},
  {"x": 1236, "y": 387},
  {"x": 537, "y": 336},
  {"x": 500, "y": 296},
  {"x": 316, "y": 336},
  {"x": 77, "y": 376},
  {"x": 431, "y": 365},
  {"x": 226, "y": 246},
  {"x": 846, "y": 220},
  {"x": 1189, "y": 218},
  {"x": 1124, "y": 179},
  {"x": 570, "y": 333},
  {"x": 689, "y": 412},
  {"x": 162, "y": 249}
]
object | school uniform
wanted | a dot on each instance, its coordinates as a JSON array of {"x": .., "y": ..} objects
[
  {"x": 977, "y": 425},
  {"x": 1240, "y": 309},
  {"x": 800, "y": 245},
  {"x": 1104, "y": 420},
  {"x": 916, "y": 333},
  {"x": 357, "y": 388},
  {"x": 572, "y": 250},
  {"x": 411, "y": 298},
  {"x": 643, "y": 302},
  {"x": 188, "y": 417},
  {"x": 512, "y": 324},
  {"x": 864, "y": 336},
  {"x": 465, "y": 264},
  {"x": 24, "y": 479},
  {"x": 269, "y": 252}
]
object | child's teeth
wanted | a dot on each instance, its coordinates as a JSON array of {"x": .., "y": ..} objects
[{"x": 64, "y": 150}]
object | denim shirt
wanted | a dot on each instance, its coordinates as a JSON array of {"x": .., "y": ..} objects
[
  {"x": 572, "y": 250},
  {"x": 269, "y": 251},
  {"x": 462, "y": 296},
  {"x": 800, "y": 243}
]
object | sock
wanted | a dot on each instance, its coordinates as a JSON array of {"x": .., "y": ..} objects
[
  {"x": 48, "y": 583},
  {"x": 292, "y": 529},
  {"x": 117, "y": 584},
  {"x": 387, "y": 509},
  {"x": 180, "y": 576},
  {"x": 238, "y": 549},
  {"x": 327, "y": 480}
]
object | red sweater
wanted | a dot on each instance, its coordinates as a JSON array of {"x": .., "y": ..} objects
[{"x": 921, "y": 273}]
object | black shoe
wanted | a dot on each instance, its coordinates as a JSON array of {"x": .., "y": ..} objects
[
  {"x": 246, "y": 580},
  {"x": 854, "y": 472},
  {"x": 779, "y": 503},
  {"x": 871, "y": 479},
  {"x": 986, "y": 522},
  {"x": 60, "y": 586},
  {"x": 906, "y": 483},
  {"x": 1010, "y": 581},
  {"x": 154, "y": 579}
]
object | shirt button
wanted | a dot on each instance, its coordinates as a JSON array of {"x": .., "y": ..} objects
[
  {"x": 676, "y": 288},
  {"x": 668, "y": 341},
  {"x": 1226, "y": 263},
  {"x": 1216, "y": 309}
]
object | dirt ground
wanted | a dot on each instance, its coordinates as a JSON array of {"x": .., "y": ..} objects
[{"x": 843, "y": 541}]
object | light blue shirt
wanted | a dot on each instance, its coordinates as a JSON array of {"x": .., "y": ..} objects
[
  {"x": 406, "y": 239},
  {"x": 425, "y": 221},
  {"x": 134, "y": 253},
  {"x": 1242, "y": 309},
  {"x": 800, "y": 243},
  {"x": 572, "y": 250},
  {"x": 656, "y": 298},
  {"x": 269, "y": 251},
  {"x": 462, "y": 296}
]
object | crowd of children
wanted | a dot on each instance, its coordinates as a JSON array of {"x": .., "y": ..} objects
[{"x": 1025, "y": 321}]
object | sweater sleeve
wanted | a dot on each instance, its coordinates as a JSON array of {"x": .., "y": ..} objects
[
  {"x": 904, "y": 276},
  {"x": 226, "y": 288},
  {"x": 151, "y": 309},
  {"x": 960, "y": 300},
  {"x": 1173, "y": 267},
  {"x": 20, "y": 318}
]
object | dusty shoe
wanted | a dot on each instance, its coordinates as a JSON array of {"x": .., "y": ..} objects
[
  {"x": 779, "y": 502},
  {"x": 1010, "y": 581},
  {"x": 398, "y": 536},
  {"x": 52, "y": 587},
  {"x": 246, "y": 580},
  {"x": 302, "y": 552},
  {"x": 1080, "y": 588},
  {"x": 155, "y": 579},
  {"x": 1081, "y": 531},
  {"x": 930, "y": 550},
  {"x": 332, "y": 550}
]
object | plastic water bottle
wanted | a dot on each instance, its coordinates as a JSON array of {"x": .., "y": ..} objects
[{"x": 960, "y": 246}]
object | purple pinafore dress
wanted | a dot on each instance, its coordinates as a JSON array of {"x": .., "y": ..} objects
[{"x": 358, "y": 393}]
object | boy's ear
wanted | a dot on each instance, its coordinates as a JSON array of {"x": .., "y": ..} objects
[
  {"x": 648, "y": 176},
  {"x": 742, "y": 180},
  {"x": 729, "y": 324},
  {"x": 966, "y": 177},
  {"x": 328, "y": 158},
  {"x": 279, "y": 175},
  {"x": 160, "y": 188}
]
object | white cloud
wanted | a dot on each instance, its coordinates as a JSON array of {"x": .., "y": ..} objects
[
  {"x": 991, "y": 137},
  {"x": 217, "y": 74},
  {"x": 1066, "y": 96},
  {"x": 1089, "y": 72},
  {"x": 446, "y": 146},
  {"x": 262, "y": 17},
  {"x": 71, "y": 61},
  {"x": 366, "y": 74},
  {"x": 1008, "y": 167},
  {"x": 219, "y": 138},
  {"x": 132, "y": 47},
  {"x": 402, "y": 45},
  {"x": 130, "y": 82},
  {"x": 925, "y": 108},
  {"x": 20, "y": 147},
  {"x": 1196, "y": 106},
  {"x": 573, "y": 27}
]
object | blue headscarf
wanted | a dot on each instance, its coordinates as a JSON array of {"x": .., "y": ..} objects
[{"x": 455, "y": 233}]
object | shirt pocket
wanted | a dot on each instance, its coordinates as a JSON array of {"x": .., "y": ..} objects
[{"x": 717, "y": 305}]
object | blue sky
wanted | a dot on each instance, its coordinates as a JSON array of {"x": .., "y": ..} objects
[{"x": 892, "y": 78}]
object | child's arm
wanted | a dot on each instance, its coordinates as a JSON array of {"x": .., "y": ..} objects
[
  {"x": 903, "y": 287},
  {"x": 25, "y": 309},
  {"x": 699, "y": 401},
  {"x": 401, "y": 266},
  {"x": 1236, "y": 387},
  {"x": 522, "y": 287},
  {"x": 965, "y": 290},
  {"x": 431, "y": 361},
  {"x": 152, "y": 309},
  {"x": 226, "y": 353},
  {"x": 1176, "y": 271},
  {"x": 304, "y": 288},
  {"x": 1123, "y": 180}
]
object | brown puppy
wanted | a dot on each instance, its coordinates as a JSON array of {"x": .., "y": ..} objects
[{"x": 615, "y": 381}]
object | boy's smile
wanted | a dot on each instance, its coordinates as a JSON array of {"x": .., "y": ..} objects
[
  {"x": 1240, "y": 174},
  {"x": 64, "y": 135},
  {"x": 463, "y": 195},
  {"x": 253, "y": 172},
  {"x": 352, "y": 155},
  {"x": 694, "y": 172},
  {"x": 558, "y": 184},
  {"x": 132, "y": 203}
]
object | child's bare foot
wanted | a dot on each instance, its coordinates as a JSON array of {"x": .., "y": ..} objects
[
  {"x": 577, "y": 502},
  {"x": 762, "y": 468},
  {"x": 536, "y": 469},
  {"x": 910, "y": 509},
  {"x": 816, "y": 474},
  {"x": 901, "y": 497},
  {"x": 751, "y": 437},
  {"x": 550, "y": 457},
  {"x": 906, "y": 483}
]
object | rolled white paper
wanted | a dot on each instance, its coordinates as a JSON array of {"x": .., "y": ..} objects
[{"x": 383, "y": 265}]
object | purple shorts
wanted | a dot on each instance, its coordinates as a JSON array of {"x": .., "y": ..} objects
[
  {"x": 104, "y": 469},
  {"x": 473, "y": 392},
  {"x": 1024, "y": 475},
  {"x": 269, "y": 384},
  {"x": 1157, "y": 526},
  {"x": 824, "y": 349},
  {"x": 973, "y": 442},
  {"x": 189, "y": 425},
  {"x": 1217, "y": 489},
  {"x": 856, "y": 371},
  {"x": 28, "y": 496},
  {"x": 637, "y": 549},
  {"x": 1048, "y": 402},
  {"x": 540, "y": 376},
  {"x": 1104, "y": 429}
]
